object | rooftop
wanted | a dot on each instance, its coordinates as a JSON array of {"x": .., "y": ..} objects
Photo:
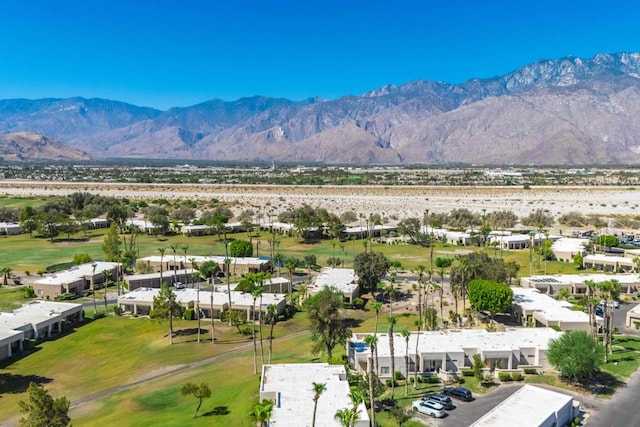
[
  {"x": 531, "y": 406},
  {"x": 77, "y": 273},
  {"x": 530, "y": 299},
  {"x": 457, "y": 340},
  {"x": 294, "y": 385},
  {"x": 343, "y": 279}
]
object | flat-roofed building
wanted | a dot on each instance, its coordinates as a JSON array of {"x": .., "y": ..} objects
[
  {"x": 35, "y": 320},
  {"x": 446, "y": 353},
  {"x": 532, "y": 306},
  {"x": 342, "y": 279},
  {"x": 140, "y": 301},
  {"x": 532, "y": 406},
  {"x": 194, "y": 230},
  {"x": 611, "y": 263},
  {"x": 575, "y": 283},
  {"x": 153, "y": 280},
  {"x": 565, "y": 248},
  {"x": 75, "y": 280},
  {"x": 237, "y": 265},
  {"x": 633, "y": 317},
  {"x": 10, "y": 228},
  {"x": 290, "y": 387}
]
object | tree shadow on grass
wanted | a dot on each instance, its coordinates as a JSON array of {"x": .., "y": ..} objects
[
  {"x": 352, "y": 323},
  {"x": 188, "y": 332},
  {"x": 16, "y": 383},
  {"x": 601, "y": 383},
  {"x": 217, "y": 411}
]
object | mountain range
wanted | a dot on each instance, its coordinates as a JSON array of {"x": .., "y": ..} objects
[{"x": 567, "y": 111}]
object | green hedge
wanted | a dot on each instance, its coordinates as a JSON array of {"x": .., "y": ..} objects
[
  {"x": 189, "y": 314},
  {"x": 530, "y": 371},
  {"x": 467, "y": 372},
  {"x": 516, "y": 376},
  {"x": 504, "y": 376}
]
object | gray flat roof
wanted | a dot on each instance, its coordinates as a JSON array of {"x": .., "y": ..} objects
[{"x": 530, "y": 406}]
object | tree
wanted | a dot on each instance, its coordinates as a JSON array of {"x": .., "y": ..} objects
[
  {"x": 327, "y": 326},
  {"x": 539, "y": 218},
  {"x": 406, "y": 334},
  {"x": 6, "y": 272},
  {"x": 42, "y": 410},
  {"x": 262, "y": 411},
  {"x": 400, "y": 414},
  {"x": 83, "y": 258},
  {"x": 209, "y": 269},
  {"x": 240, "y": 248},
  {"x": 162, "y": 252},
  {"x": 318, "y": 389},
  {"x": 412, "y": 228},
  {"x": 371, "y": 341},
  {"x": 576, "y": 355},
  {"x": 272, "y": 311},
  {"x": 486, "y": 295},
  {"x": 392, "y": 322},
  {"x": 200, "y": 392},
  {"x": 165, "y": 306},
  {"x": 370, "y": 268},
  {"x": 346, "y": 416}
]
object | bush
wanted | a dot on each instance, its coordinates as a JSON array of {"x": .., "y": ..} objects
[
  {"x": 467, "y": 372},
  {"x": 67, "y": 296},
  {"x": 504, "y": 376},
  {"x": 117, "y": 310},
  {"x": 430, "y": 380},
  {"x": 388, "y": 382},
  {"x": 397, "y": 375},
  {"x": 461, "y": 381},
  {"x": 188, "y": 314},
  {"x": 516, "y": 376},
  {"x": 530, "y": 371}
]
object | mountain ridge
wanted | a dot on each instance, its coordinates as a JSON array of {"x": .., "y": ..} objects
[{"x": 561, "y": 111}]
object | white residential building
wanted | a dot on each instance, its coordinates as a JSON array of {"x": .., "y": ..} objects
[
  {"x": 446, "y": 353},
  {"x": 532, "y": 406},
  {"x": 290, "y": 386},
  {"x": 530, "y": 304},
  {"x": 575, "y": 283},
  {"x": 343, "y": 279},
  {"x": 35, "y": 320}
]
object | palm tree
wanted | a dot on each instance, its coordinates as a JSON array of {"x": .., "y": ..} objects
[
  {"x": 291, "y": 265},
  {"x": 345, "y": 416},
  {"x": 272, "y": 310},
  {"x": 185, "y": 248},
  {"x": 6, "y": 272},
  {"x": 392, "y": 322},
  {"x": 262, "y": 411},
  {"x": 93, "y": 288},
  {"x": 371, "y": 341},
  {"x": 162, "y": 251},
  {"x": 227, "y": 266},
  {"x": 106, "y": 277},
  {"x": 377, "y": 305},
  {"x": 406, "y": 334},
  {"x": 257, "y": 292},
  {"x": 421, "y": 270},
  {"x": 357, "y": 397},
  {"x": 318, "y": 389},
  {"x": 415, "y": 371},
  {"x": 174, "y": 249},
  {"x": 590, "y": 303}
]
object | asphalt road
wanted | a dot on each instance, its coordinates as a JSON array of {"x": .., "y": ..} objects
[{"x": 620, "y": 410}]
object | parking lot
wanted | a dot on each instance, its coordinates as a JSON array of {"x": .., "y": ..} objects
[{"x": 466, "y": 413}]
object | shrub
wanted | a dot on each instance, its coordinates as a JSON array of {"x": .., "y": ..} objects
[
  {"x": 388, "y": 382},
  {"x": 397, "y": 375},
  {"x": 530, "y": 371},
  {"x": 189, "y": 314},
  {"x": 431, "y": 380},
  {"x": 117, "y": 310},
  {"x": 467, "y": 372},
  {"x": 461, "y": 381},
  {"x": 504, "y": 376},
  {"x": 27, "y": 272},
  {"x": 67, "y": 296},
  {"x": 516, "y": 376}
]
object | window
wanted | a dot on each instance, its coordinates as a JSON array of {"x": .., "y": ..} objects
[{"x": 384, "y": 369}]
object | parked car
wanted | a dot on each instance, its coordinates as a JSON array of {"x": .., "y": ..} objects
[
  {"x": 599, "y": 311},
  {"x": 178, "y": 285},
  {"x": 429, "y": 407},
  {"x": 459, "y": 393},
  {"x": 445, "y": 401},
  {"x": 611, "y": 304}
]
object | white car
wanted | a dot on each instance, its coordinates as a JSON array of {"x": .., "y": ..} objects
[
  {"x": 611, "y": 304},
  {"x": 429, "y": 407}
]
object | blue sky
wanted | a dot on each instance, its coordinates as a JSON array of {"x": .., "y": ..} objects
[{"x": 178, "y": 53}]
